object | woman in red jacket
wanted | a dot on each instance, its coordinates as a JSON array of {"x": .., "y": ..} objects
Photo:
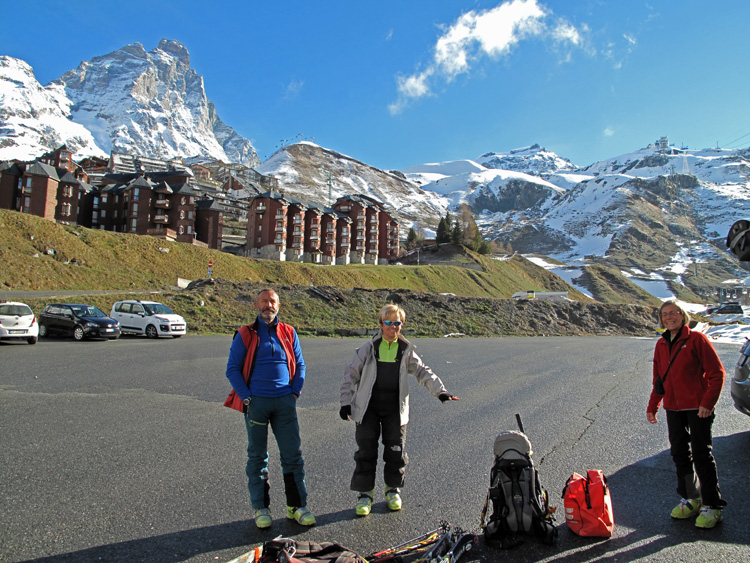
[{"x": 688, "y": 377}]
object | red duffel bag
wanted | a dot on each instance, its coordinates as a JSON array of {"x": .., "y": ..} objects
[{"x": 588, "y": 505}]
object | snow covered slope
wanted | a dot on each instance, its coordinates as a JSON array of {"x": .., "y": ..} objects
[
  {"x": 34, "y": 119},
  {"x": 150, "y": 103}
]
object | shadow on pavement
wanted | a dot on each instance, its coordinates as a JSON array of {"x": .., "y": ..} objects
[
  {"x": 643, "y": 528},
  {"x": 179, "y": 546}
]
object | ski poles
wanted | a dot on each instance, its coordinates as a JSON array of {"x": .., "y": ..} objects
[
  {"x": 409, "y": 546},
  {"x": 450, "y": 545}
]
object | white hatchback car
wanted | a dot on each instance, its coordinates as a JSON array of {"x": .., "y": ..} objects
[
  {"x": 148, "y": 317},
  {"x": 17, "y": 320}
]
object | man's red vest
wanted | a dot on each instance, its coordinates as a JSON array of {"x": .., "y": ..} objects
[{"x": 249, "y": 336}]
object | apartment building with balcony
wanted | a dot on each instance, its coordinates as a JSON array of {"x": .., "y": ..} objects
[
  {"x": 356, "y": 229},
  {"x": 374, "y": 232},
  {"x": 159, "y": 203},
  {"x": 60, "y": 158},
  {"x": 41, "y": 189}
]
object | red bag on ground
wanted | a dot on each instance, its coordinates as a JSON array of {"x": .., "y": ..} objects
[{"x": 588, "y": 505}]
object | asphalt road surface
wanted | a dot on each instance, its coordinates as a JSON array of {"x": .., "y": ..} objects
[{"x": 122, "y": 450}]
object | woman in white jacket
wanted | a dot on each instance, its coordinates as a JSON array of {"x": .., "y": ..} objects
[{"x": 375, "y": 395}]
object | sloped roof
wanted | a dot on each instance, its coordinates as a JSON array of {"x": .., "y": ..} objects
[
  {"x": 10, "y": 167},
  {"x": 86, "y": 187},
  {"x": 183, "y": 188},
  {"x": 40, "y": 169},
  {"x": 209, "y": 204},
  {"x": 140, "y": 182},
  {"x": 67, "y": 176}
]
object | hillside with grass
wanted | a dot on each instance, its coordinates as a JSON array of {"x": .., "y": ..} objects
[
  {"x": 452, "y": 290},
  {"x": 39, "y": 255}
]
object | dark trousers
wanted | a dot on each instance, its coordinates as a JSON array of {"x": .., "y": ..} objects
[
  {"x": 281, "y": 414},
  {"x": 379, "y": 420},
  {"x": 692, "y": 452}
]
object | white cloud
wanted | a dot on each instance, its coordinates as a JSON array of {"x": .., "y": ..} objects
[
  {"x": 567, "y": 33},
  {"x": 608, "y": 131},
  {"x": 618, "y": 53},
  {"x": 414, "y": 86},
  {"x": 475, "y": 35},
  {"x": 293, "y": 89}
]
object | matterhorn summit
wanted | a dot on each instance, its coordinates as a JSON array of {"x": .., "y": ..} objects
[
  {"x": 34, "y": 119},
  {"x": 130, "y": 101},
  {"x": 151, "y": 102}
]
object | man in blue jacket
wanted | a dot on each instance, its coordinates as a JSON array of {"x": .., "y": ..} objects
[{"x": 267, "y": 371}]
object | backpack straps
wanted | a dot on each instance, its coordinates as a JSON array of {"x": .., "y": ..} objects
[{"x": 246, "y": 332}]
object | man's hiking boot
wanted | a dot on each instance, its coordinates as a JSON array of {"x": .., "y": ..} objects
[
  {"x": 686, "y": 508},
  {"x": 393, "y": 498},
  {"x": 263, "y": 518},
  {"x": 709, "y": 517},
  {"x": 364, "y": 504},
  {"x": 302, "y": 515}
]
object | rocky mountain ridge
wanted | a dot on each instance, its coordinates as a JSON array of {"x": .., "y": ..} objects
[{"x": 131, "y": 100}]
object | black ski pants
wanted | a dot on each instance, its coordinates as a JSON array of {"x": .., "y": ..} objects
[
  {"x": 379, "y": 421},
  {"x": 692, "y": 452}
]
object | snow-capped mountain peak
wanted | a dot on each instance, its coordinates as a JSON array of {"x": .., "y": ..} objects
[
  {"x": 131, "y": 100},
  {"x": 34, "y": 119},
  {"x": 532, "y": 160}
]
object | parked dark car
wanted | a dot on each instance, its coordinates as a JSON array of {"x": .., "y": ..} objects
[
  {"x": 740, "y": 384},
  {"x": 729, "y": 309},
  {"x": 77, "y": 320}
]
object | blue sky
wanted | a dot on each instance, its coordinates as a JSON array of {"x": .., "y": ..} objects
[{"x": 400, "y": 83}]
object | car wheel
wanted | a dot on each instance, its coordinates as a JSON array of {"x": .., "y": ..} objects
[
  {"x": 151, "y": 331},
  {"x": 43, "y": 331},
  {"x": 31, "y": 340},
  {"x": 78, "y": 333}
]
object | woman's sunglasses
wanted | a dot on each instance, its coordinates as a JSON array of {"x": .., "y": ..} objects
[{"x": 392, "y": 323}]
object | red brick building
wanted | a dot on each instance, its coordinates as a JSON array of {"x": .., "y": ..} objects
[
  {"x": 161, "y": 204},
  {"x": 357, "y": 229}
]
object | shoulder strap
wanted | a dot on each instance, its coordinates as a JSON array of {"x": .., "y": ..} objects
[{"x": 247, "y": 333}]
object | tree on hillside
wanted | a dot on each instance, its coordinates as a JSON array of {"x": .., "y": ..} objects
[
  {"x": 457, "y": 234},
  {"x": 411, "y": 239},
  {"x": 449, "y": 225},
  {"x": 468, "y": 225},
  {"x": 466, "y": 232},
  {"x": 443, "y": 233}
]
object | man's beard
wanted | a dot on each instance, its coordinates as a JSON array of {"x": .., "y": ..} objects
[{"x": 267, "y": 315}]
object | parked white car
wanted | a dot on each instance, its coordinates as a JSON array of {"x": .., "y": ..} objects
[
  {"x": 17, "y": 320},
  {"x": 148, "y": 317}
]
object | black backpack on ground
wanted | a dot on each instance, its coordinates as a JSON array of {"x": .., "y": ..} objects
[{"x": 520, "y": 505}]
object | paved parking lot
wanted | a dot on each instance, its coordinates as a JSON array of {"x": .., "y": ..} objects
[{"x": 121, "y": 450}]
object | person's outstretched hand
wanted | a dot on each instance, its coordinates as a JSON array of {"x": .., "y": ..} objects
[{"x": 447, "y": 397}]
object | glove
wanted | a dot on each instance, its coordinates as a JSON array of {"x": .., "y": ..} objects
[
  {"x": 345, "y": 412},
  {"x": 447, "y": 397}
]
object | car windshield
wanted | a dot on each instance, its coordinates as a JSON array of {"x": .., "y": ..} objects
[
  {"x": 157, "y": 309},
  {"x": 14, "y": 310},
  {"x": 87, "y": 311}
]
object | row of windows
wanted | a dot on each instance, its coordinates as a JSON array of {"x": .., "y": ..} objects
[
  {"x": 104, "y": 197},
  {"x": 67, "y": 191}
]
